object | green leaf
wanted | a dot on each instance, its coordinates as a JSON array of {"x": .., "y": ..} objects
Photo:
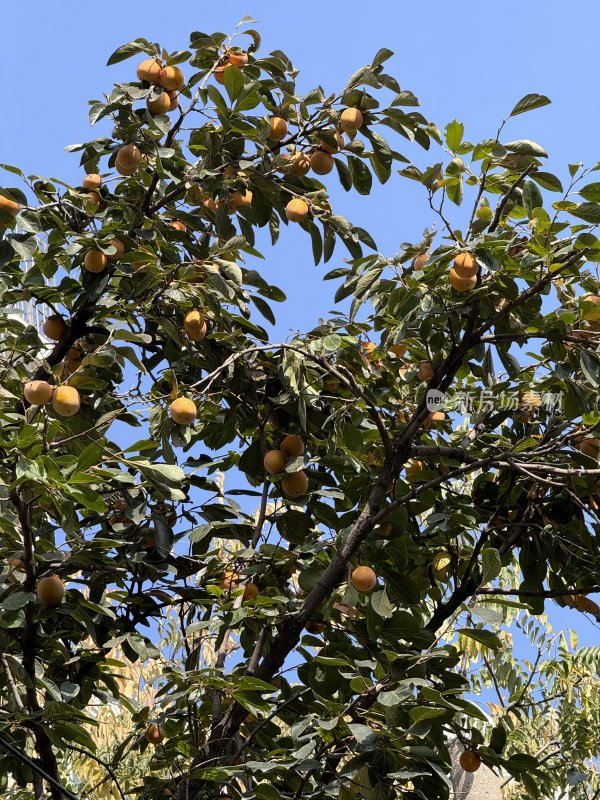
[
  {"x": 590, "y": 366},
  {"x": 165, "y": 474},
  {"x": 344, "y": 175},
  {"x": 486, "y": 638},
  {"x": 491, "y": 565},
  {"x": 361, "y": 175},
  {"x": 381, "y": 605},
  {"x": 15, "y": 601},
  {"x": 381, "y": 56},
  {"x": 454, "y": 135},
  {"x": 426, "y": 712},
  {"x": 547, "y": 181},
  {"x": 526, "y": 147},
  {"x": 332, "y": 342},
  {"x": 88, "y": 457},
  {"x": 532, "y": 198},
  {"x": 591, "y": 192},
  {"x": 128, "y": 50},
  {"x": 394, "y": 697},
  {"x": 233, "y": 81},
  {"x": 24, "y": 244},
  {"x": 590, "y": 212},
  {"x": 264, "y": 308},
  {"x": 405, "y": 98},
  {"x": 14, "y": 170},
  {"x": 529, "y": 103}
]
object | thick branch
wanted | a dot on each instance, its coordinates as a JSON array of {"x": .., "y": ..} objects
[{"x": 42, "y": 742}]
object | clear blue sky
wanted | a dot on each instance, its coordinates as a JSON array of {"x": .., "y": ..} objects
[{"x": 470, "y": 61}]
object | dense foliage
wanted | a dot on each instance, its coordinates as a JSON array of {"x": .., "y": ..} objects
[{"x": 206, "y": 495}]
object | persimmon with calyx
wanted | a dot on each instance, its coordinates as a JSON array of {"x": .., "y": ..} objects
[
  {"x": 95, "y": 261},
  {"x": 183, "y": 411},
  {"x": 54, "y": 326},
  {"x": 251, "y": 591},
  {"x": 465, "y": 265},
  {"x": 339, "y": 139},
  {"x": 219, "y": 72},
  {"x": 295, "y": 484},
  {"x": 364, "y": 579},
  {"x": 241, "y": 199},
  {"x": 298, "y": 164},
  {"x": 128, "y": 159},
  {"x": 461, "y": 284},
  {"x": 292, "y": 446},
  {"x": 420, "y": 260},
  {"x": 66, "y": 401},
  {"x": 297, "y": 210},
  {"x": 160, "y": 104},
  {"x": 94, "y": 201},
  {"x": 194, "y": 325},
  {"x": 50, "y": 590},
  {"x": 38, "y": 393},
  {"x": 229, "y": 580},
  {"x": 126, "y": 172},
  {"x": 278, "y": 129},
  {"x": 10, "y": 206},
  {"x": 129, "y": 155},
  {"x": 274, "y": 462},
  {"x": 171, "y": 78},
  {"x": 321, "y": 162},
  {"x": 212, "y": 203},
  {"x": 92, "y": 181},
  {"x": 470, "y": 761},
  {"x": 433, "y": 418},
  {"x": 351, "y": 119},
  {"x": 154, "y": 734},
  {"x": 414, "y": 471},
  {"x": 149, "y": 70},
  {"x": 119, "y": 247},
  {"x": 237, "y": 58},
  {"x": 195, "y": 195},
  {"x": 72, "y": 361},
  {"x": 530, "y": 401}
]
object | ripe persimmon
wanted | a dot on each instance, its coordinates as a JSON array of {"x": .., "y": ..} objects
[
  {"x": 183, "y": 411},
  {"x": 278, "y": 129},
  {"x": 297, "y": 210},
  {"x": 364, "y": 579},
  {"x": 66, "y": 401},
  {"x": 351, "y": 119},
  {"x": 295, "y": 484},
  {"x": 321, "y": 162},
  {"x": 149, "y": 70},
  {"x": 95, "y": 261},
  {"x": 38, "y": 393},
  {"x": 171, "y": 78}
]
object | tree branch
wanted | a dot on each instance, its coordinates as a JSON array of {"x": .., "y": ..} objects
[{"x": 29, "y": 648}]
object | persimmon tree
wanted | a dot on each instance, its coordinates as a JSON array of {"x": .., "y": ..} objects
[{"x": 304, "y": 546}]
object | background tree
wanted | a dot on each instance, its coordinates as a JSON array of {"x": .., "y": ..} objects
[{"x": 320, "y": 646}]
